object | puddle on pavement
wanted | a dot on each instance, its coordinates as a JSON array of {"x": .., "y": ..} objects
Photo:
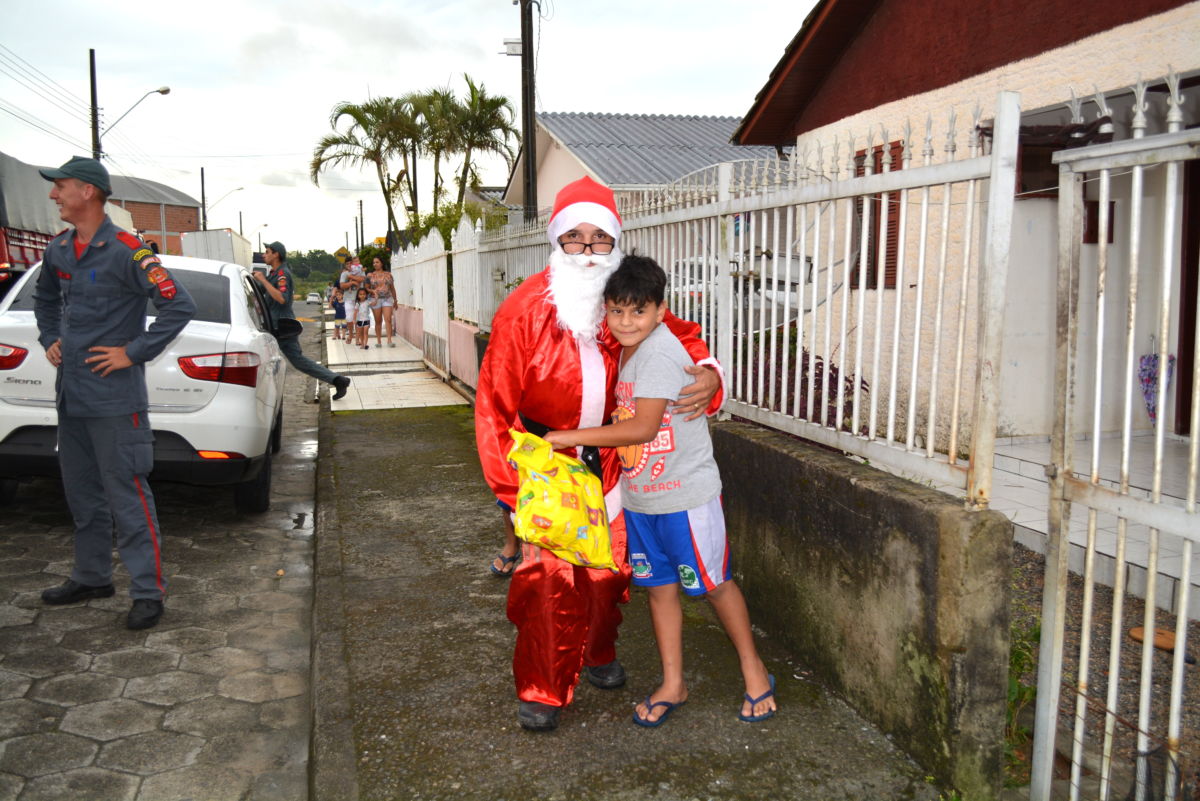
[{"x": 307, "y": 448}]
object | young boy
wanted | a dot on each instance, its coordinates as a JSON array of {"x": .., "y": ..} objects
[{"x": 671, "y": 492}]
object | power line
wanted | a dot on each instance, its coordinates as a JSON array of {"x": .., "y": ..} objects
[
  {"x": 19, "y": 114},
  {"x": 75, "y": 114},
  {"x": 38, "y": 75}
]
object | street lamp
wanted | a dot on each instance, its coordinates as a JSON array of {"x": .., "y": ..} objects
[{"x": 162, "y": 90}]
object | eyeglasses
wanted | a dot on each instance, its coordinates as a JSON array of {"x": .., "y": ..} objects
[{"x": 600, "y": 247}]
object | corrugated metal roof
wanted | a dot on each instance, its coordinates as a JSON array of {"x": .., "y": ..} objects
[
  {"x": 140, "y": 190},
  {"x": 628, "y": 150}
]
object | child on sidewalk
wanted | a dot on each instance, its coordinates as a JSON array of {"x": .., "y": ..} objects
[
  {"x": 671, "y": 492},
  {"x": 362, "y": 317},
  {"x": 339, "y": 314}
]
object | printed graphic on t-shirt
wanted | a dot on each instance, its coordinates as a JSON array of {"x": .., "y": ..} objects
[{"x": 634, "y": 458}]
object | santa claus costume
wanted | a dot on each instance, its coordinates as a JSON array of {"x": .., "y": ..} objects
[{"x": 551, "y": 363}]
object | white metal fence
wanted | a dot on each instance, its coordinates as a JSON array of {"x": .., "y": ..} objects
[
  {"x": 854, "y": 294},
  {"x": 1104, "y": 362}
]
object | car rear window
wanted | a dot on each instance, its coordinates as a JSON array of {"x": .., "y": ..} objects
[{"x": 211, "y": 293}]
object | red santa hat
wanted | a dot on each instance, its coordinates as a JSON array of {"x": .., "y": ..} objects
[{"x": 584, "y": 201}]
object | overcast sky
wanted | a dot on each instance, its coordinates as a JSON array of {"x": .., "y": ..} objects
[{"x": 253, "y": 82}]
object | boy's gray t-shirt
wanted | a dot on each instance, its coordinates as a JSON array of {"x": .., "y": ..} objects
[{"x": 676, "y": 471}]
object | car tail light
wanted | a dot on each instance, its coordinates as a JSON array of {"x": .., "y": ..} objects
[
  {"x": 227, "y": 368},
  {"x": 11, "y": 356},
  {"x": 220, "y": 455}
]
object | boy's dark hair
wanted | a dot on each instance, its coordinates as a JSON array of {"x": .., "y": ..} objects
[{"x": 637, "y": 281}]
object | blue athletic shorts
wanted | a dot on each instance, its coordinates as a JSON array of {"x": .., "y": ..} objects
[{"x": 688, "y": 548}]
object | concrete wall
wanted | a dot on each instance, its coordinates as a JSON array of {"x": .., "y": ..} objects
[
  {"x": 464, "y": 360},
  {"x": 409, "y": 323},
  {"x": 892, "y": 593}
]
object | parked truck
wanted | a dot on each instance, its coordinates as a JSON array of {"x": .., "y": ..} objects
[
  {"x": 29, "y": 219},
  {"x": 221, "y": 244}
]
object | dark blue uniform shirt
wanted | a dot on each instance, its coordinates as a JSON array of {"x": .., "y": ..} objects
[
  {"x": 281, "y": 279},
  {"x": 99, "y": 299}
]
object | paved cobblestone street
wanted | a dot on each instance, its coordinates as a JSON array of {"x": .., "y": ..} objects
[{"x": 211, "y": 704}]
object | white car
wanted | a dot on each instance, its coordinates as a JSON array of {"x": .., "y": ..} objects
[
  {"x": 216, "y": 392},
  {"x": 313, "y": 297}
]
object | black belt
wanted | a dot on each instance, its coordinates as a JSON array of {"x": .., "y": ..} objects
[{"x": 590, "y": 456}]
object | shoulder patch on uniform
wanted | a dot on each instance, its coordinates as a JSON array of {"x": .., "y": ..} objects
[{"x": 129, "y": 240}]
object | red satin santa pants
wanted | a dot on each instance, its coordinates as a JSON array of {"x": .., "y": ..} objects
[{"x": 566, "y": 617}]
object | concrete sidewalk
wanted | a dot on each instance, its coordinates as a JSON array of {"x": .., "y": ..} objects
[{"x": 412, "y": 677}]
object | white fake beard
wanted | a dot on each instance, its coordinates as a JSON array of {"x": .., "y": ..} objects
[{"x": 577, "y": 289}]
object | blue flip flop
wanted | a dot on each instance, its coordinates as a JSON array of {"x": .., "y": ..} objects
[
  {"x": 754, "y": 701},
  {"x": 505, "y": 571},
  {"x": 650, "y": 724}
]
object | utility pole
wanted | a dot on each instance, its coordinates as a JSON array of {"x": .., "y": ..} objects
[
  {"x": 362, "y": 228},
  {"x": 203, "y": 204},
  {"x": 240, "y": 224},
  {"x": 528, "y": 112},
  {"x": 95, "y": 109}
]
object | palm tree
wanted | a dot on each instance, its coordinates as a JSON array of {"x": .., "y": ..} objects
[
  {"x": 439, "y": 114},
  {"x": 485, "y": 126},
  {"x": 368, "y": 140},
  {"x": 406, "y": 130}
]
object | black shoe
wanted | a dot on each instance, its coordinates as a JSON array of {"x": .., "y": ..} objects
[
  {"x": 341, "y": 384},
  {"x": 538, "y": 717},
  {"x": 71, "y": 591},
  {"x": 144, "y": 613},
  {"x": 606, "y": 677}
]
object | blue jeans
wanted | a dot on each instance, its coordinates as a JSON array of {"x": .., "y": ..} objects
[{"x": 290, "y": 346}]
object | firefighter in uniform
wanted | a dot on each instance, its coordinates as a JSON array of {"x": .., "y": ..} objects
[
  {"x": 90, "y": 304},
  {"x": 279, "y": 286}
]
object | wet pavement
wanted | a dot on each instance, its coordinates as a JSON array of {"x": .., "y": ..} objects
[
  {"x": 211, "y": 704},
  {"x": 408, "y": 693},
  {"x": 412, "y": 660}
]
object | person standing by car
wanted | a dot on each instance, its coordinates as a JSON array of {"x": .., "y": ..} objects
[
  {"x": 383, "y": 299},
  {"x": 90, "y": 306},
  {"x": 279, "y": 286}
]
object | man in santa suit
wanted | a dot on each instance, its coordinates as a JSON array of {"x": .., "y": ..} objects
[{"x": 551, "y": 363}]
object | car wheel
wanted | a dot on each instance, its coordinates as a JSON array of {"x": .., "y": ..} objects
[
  {"x": 277, "y": 433},
  {"x": 254, "y": 496},
  {"x": 8, "y": 491}
]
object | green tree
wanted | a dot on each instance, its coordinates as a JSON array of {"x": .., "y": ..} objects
[
  {"x": 485, "y": 126},
  {"x": 440, "y": 114},
  {"x": 369, "y": 140}
]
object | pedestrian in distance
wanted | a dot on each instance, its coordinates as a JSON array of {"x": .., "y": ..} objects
[
  {"x": 349, "y": 280},
  {"x": 383, "y": 299},
  {"x": 279, "y": 286},
  {"x": 90, "y": 307},
  {"x": 362, "y": 322},
  {"x": 671, "y": 492},
  {"x": 339, "y": 313},
  {"x": 551, "y": 363}
]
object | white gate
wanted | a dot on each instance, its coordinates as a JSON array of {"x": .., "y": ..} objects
[{"x": 1104, "y": 368}]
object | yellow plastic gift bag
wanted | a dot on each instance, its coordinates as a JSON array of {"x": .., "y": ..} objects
[{"x": 560, "y": 503}]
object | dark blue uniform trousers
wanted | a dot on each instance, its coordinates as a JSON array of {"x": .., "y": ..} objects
[
  {"x": 290, "y": 347},
  {"x": 104, "y": 463}
]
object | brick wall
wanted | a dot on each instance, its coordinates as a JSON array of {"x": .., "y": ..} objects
[{"x": 148, "y": 220}]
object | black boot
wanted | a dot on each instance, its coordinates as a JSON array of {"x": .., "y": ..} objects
[
  {"x": 538, "y": 717},
  {"x": 71, "y": 591},
  {"x": 606, "y": 677},
  {"x": 144, "y": 613}
]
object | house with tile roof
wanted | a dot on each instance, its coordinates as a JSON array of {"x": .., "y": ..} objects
[{"x": 628, "y": 152}]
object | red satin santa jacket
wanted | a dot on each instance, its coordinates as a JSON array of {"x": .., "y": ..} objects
[{"x": 537, "y": 369}]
